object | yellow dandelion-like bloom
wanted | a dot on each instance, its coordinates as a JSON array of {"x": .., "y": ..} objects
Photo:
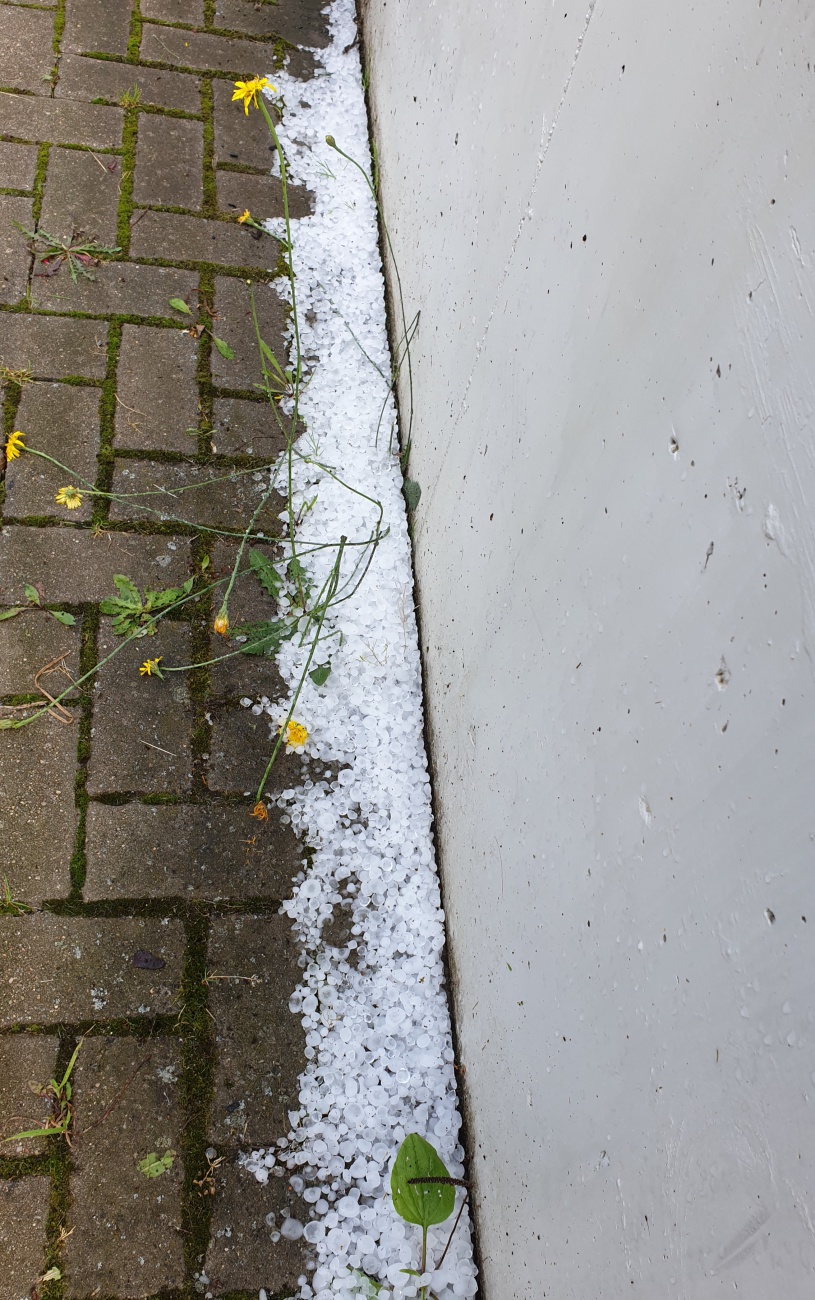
[
  {"x": 295, "y": 733},
  {"x": 150, "y": 667},
  {"x": 248, "y": 91},
  {"x": 70, "y": 497},
  {"x": 221, "y": 624},
  {"x": 260, "y": 812},
  {"x": 15, "y": 445},
  {"x": 245, "y": 216}
]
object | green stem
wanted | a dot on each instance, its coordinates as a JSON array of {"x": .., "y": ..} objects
[{"x": 335, "y": 577}]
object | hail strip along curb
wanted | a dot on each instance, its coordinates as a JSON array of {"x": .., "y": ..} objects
[{"x": 374, "y": 1011}]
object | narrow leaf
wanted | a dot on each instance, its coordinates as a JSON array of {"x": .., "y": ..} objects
[
  {"x": 426, "y": 1203},
  {"x": 67, "y": 620},
  {"x": 178, "y": 304},
  {"x": 31, "y": 594},
  {"x": 224, "y": 348},
  {"x": 266, "y": 573}
]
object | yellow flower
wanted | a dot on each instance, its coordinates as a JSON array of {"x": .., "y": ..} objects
[
  {"x": 221, "y": 624},
  {"x": 70, "y": 497},
  {"x": 245, "y": 216},
  {"x": 248, "y": 91},
  {"x": 260, "y": 812},
  {"x": 15, "y": 445},
  {"x": 296, "y": 735},
  {"x": 151, "y": 666}
]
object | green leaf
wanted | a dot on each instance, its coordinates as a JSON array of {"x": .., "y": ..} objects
[
  {"x": 67, "y": 620},
  {"x": 128, "y": 591},
  {"x": 412, "y": 493},
  {"x": 264, "y": 638},
  {"x": 154, "y": 600},
  {"x": 265, "y": 572},
  {"x": 224, "y": 348},
  {"x": 153, "y": 1166},
  {"x": 10, "y": 613},
  {"x": 320, "y": 674},
  {"x": 423, "y": 1204},
  {"x": 297, "y": 574},
  {"x": 53, "y": 1275},
  {"x": 31, "y": 594},
  {"x": 178, "y": 304},
  {"x": 272, "y": 359}
]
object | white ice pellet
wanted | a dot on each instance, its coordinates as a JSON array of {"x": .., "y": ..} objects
[
  {"x": 372, "y": 1005},
  {"x": 291, "y": 1229}
]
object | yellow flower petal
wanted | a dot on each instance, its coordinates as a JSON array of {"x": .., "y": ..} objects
[
  {"x": 15, "y": 445},
  {"x": 70, "y": 497},
  {"x": 244, "y": 217},
  {"x": 151, "y": 666},
  {"x": 248, "y": 91}
]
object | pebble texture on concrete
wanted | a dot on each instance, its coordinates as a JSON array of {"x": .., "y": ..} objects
[{"x": 151, "y": 921}]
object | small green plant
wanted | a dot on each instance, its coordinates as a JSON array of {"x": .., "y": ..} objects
[
  {"x": 131, "y": 97},
  {"x": 197, "y": 327},
  {"x": 131, "y": 613},
  {"x": 58, "y": 1094},
  {"x": 80, "y": 252},
  {"x": 153, "y": 1166},
  {"x": 10, "y": 906},
  {"x": 424, "y": 1193}
]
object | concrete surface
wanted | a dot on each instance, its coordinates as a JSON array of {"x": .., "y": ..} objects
[{"x": 605, "y": 214}]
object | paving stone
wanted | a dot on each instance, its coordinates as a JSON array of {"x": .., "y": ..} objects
[
  {"x": 201, "y": 50},
  {"x": 118, "y": 288},
  {"x": 199, "y": 851},
  {"x": 303, "y": 22},
  {"x": 240, "y": 139},
  {"x": 140, "y": 740},
  {"x": 240, "y": 748},
  {"x": 15, "y": 258},
  {"x": 242, "y": 1256},
  {"x": 37, "y": 812},
  {"x": 74, "y": 968},
  {"x": 153, "y": 363},
  {"x": 81, "y": 194},
  {"x": 175, "y": 11},
  {"x": 23, "y": 1216},
  {"x": 61, "y": 420},
  {"x": 262, "y": 195},
  {"x": 228, "y": 502},
  {"x": 236, "y": 325},
  {"x": 170, "y": 237},
  {"x": 90, "y": 79},
  {"x": 18, "y": 164},
  {"x": 126, "y": 1237},
  {"x": 243, "y": 428},
  {"x": 102, "y": 26},
  {"x": 169, "y": 161},
  {"x": 26, "y": 49},
  {"x": 29, "y": 642},
  {"x": 259, "y": 1042},
  {"x": 54, "y": 346},
  {"x": 25, "y": 1059},
  {"x": 74, "y": 566},
  {"x": 31, "y": 117}
]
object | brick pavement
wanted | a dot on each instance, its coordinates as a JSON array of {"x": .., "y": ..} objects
[{"x": 152, "y": 900}]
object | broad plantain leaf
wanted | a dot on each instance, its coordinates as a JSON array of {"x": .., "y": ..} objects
[
  {"x": 67, "y": 620},
  {"x": 266, "y": 573},
  {"x": 416, "y": 1202},
  {"x": 412, "y": 493},
  {"x": 264, "y": 638},
  {"x": 179, "y": 305}
]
